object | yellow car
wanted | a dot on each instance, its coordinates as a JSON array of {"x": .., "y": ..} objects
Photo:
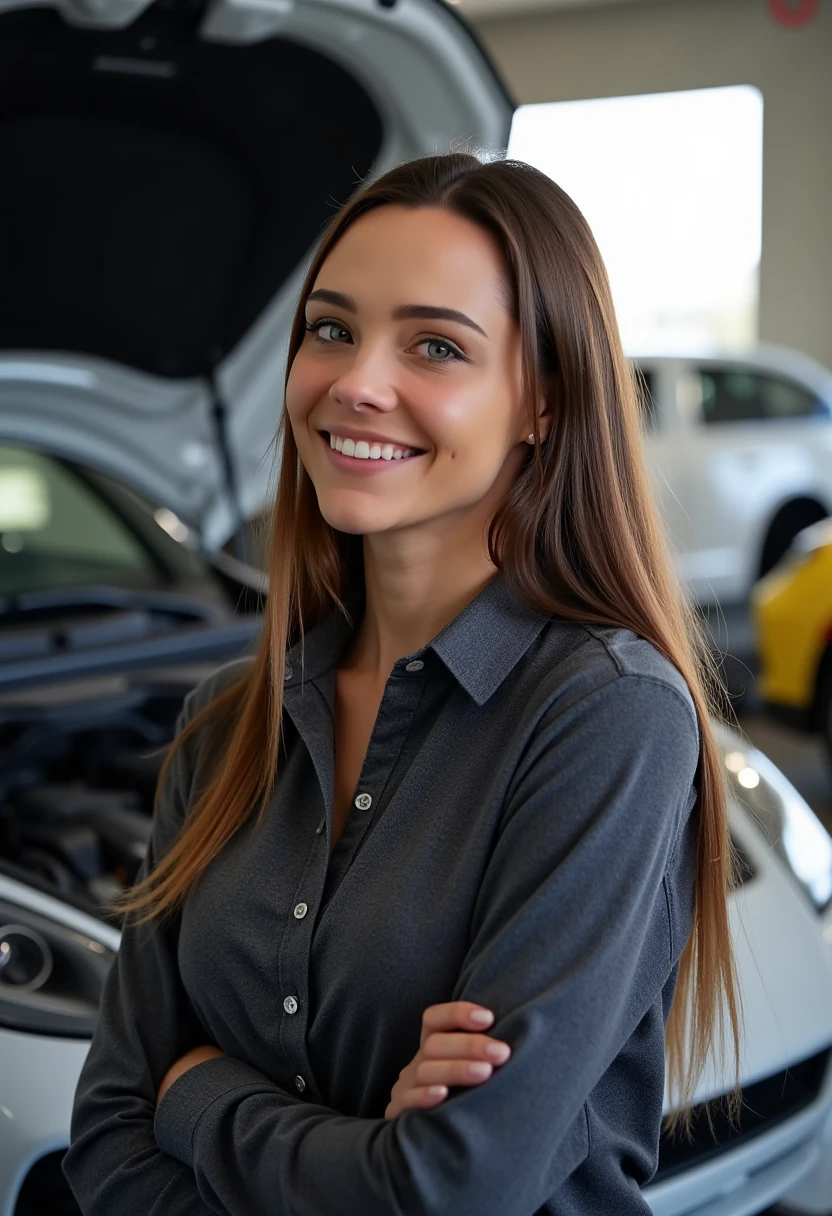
[{"x": 792, "y": 611}]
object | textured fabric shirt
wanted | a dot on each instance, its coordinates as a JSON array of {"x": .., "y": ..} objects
[{"x": 521, "y": 836}]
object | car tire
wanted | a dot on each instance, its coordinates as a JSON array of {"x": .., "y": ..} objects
[{"x": 789, "y": 520}]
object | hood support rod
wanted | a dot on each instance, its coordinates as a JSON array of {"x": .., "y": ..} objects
[{"x": 220, "y": 419}]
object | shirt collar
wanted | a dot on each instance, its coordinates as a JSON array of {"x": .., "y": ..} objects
[
  {"x": 319, "y": 649},
  {"x": 480, "y": 647},
  {"x": 484, "y": 643}
]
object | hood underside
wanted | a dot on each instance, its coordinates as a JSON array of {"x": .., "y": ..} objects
[{"x": 167, "y": 170}]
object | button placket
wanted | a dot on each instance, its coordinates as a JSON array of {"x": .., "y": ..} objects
[
  {"x": 293, "y": 967},
  {"x": 395, "y": 715}
]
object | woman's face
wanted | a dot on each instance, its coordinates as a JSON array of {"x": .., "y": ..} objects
[{"x": 405, "y": 395}]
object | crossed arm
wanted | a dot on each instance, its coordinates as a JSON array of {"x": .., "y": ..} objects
[{"x": 570, "y": 946}]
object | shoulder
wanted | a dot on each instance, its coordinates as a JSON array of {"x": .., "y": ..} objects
[
  {"x": 635, "y": 661},
  {"x": 202, "y": 746},
  {"x": 614, "y": 686},
  {"x": 213, "y": 686},
  {"x": 609, "y": 736}
]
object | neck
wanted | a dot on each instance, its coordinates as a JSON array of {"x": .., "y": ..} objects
[{"x": 415, "y": 585}]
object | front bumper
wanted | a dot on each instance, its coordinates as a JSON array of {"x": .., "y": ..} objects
[
  {"x": 789, "y": 1163},
  {"x": 36, "y": 1096}
]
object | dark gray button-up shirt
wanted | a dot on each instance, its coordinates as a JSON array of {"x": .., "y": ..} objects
[{"x": 521, "y": 836}]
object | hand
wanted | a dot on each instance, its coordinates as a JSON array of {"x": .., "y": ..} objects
[
  {"x": 197, "y": 1055},
  {"x": 445, "y": 1059}
]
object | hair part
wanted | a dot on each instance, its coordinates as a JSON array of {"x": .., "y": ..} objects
[{"x": 577, "y": 537}]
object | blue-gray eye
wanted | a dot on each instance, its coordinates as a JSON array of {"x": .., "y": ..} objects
[
  {"x": 440, "y": 352},
  {"x": 329, "y": 331}
]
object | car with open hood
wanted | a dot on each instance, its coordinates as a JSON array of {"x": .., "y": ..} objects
[{"x": 168, "y": 168}]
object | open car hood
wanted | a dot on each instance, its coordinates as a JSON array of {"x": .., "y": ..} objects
[{"x": 168, "y": 168}]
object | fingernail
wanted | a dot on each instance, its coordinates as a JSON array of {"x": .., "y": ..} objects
[
  {"x": 499, "y": 1052},
  {"x": 437, "y": 1091},
  {"x": 479, "y": 1070},
  {"x": 483, "y": 1017}
]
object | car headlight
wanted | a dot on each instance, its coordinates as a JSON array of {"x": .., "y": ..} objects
[
  {"x": 786, "y": 819},
  {"x": 51, "y": 975}
]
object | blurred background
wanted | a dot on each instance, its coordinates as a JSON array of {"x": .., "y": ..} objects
[{"x": 695, "y": 138}]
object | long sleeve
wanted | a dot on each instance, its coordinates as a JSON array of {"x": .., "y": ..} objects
[
  {"x": 576, "y": 931},
  {"x": 146, "y": 1022}
]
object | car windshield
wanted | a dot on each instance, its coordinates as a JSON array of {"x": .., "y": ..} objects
[{"x": 60, "y": 529}]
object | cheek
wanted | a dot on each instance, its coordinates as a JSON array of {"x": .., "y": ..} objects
[
  {"x": 472, "y": 425},
  {"x": 304, "y": 387}
]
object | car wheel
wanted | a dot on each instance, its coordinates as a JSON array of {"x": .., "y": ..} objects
[{"x": 789, "y": 520}]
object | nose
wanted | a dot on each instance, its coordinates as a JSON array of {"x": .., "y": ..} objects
[{"x": 366, "y": 385}]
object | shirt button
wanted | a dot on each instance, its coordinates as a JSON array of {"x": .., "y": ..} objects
[
  {"x": 320, "y": 827},
  {"x": 416, "y": 665},
  {"x": 300, "y": 1084},
  {"x": 364, "y": 802},
  {"x": 287, "y": 672},
  {"x": 300, "y": 911},
  {"x": 290, "y": 1004}
]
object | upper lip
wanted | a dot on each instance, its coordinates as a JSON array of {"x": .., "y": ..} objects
[{"x": 348, "y": 432}]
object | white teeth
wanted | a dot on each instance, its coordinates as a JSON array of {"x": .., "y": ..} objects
[{"x": 361, "y": 449}]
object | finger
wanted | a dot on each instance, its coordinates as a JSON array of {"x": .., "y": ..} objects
[
  {"x": 453, "y": 1072},
  {"x": 421, "y": 1097},
  {"x": 455, "y": 1015},
  {"x": 464, "y": 1045}
]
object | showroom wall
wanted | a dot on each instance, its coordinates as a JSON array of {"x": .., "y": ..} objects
[{"x": 663, "y": 45}]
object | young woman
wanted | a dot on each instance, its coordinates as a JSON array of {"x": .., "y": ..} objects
[{"x": 467, "y": 784}]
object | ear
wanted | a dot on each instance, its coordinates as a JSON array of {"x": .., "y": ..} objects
[{"x": 544, "y": 416}]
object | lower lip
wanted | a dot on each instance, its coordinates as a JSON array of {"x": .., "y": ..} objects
[{"x": 363, "y": 468}]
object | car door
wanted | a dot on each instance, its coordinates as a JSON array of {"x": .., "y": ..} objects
[{"x": 753, "y": 445}]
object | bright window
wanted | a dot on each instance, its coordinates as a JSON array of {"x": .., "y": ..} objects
[{"x": 671, "y": 185}]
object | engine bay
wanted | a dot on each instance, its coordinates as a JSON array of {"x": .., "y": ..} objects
[{"x": 79, "y": 764}]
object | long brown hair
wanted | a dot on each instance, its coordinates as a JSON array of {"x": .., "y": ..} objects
[{"x": 578, "y": 538}]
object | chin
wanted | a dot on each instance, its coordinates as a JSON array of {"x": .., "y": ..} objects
[{"x": 357, "y": 519}]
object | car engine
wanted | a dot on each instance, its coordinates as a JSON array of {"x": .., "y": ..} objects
[{"x": 79, "y": 763}]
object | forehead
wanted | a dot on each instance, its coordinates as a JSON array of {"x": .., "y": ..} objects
[{"x": 403, "y": 255}]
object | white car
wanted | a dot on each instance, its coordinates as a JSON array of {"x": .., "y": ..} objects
[
  {"x": 58, "y": 951},
  {"x": 739, "y": 449},
  {"x": 166, "y": 172}
]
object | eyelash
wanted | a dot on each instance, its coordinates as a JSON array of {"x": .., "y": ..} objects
[{"x": 455, "y": 355}]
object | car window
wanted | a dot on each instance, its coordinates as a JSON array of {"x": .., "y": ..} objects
[
  {"x": 55, "y": 531},
  {"x": 739, "y": 395}
]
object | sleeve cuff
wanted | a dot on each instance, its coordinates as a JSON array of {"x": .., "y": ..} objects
[{"x": 190, "y": 1096}]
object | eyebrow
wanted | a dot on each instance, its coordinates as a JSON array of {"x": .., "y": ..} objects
[{"x": 404, "y": 312}]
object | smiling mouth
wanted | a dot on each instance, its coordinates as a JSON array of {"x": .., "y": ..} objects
[{"x": 362, "y": 449}]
